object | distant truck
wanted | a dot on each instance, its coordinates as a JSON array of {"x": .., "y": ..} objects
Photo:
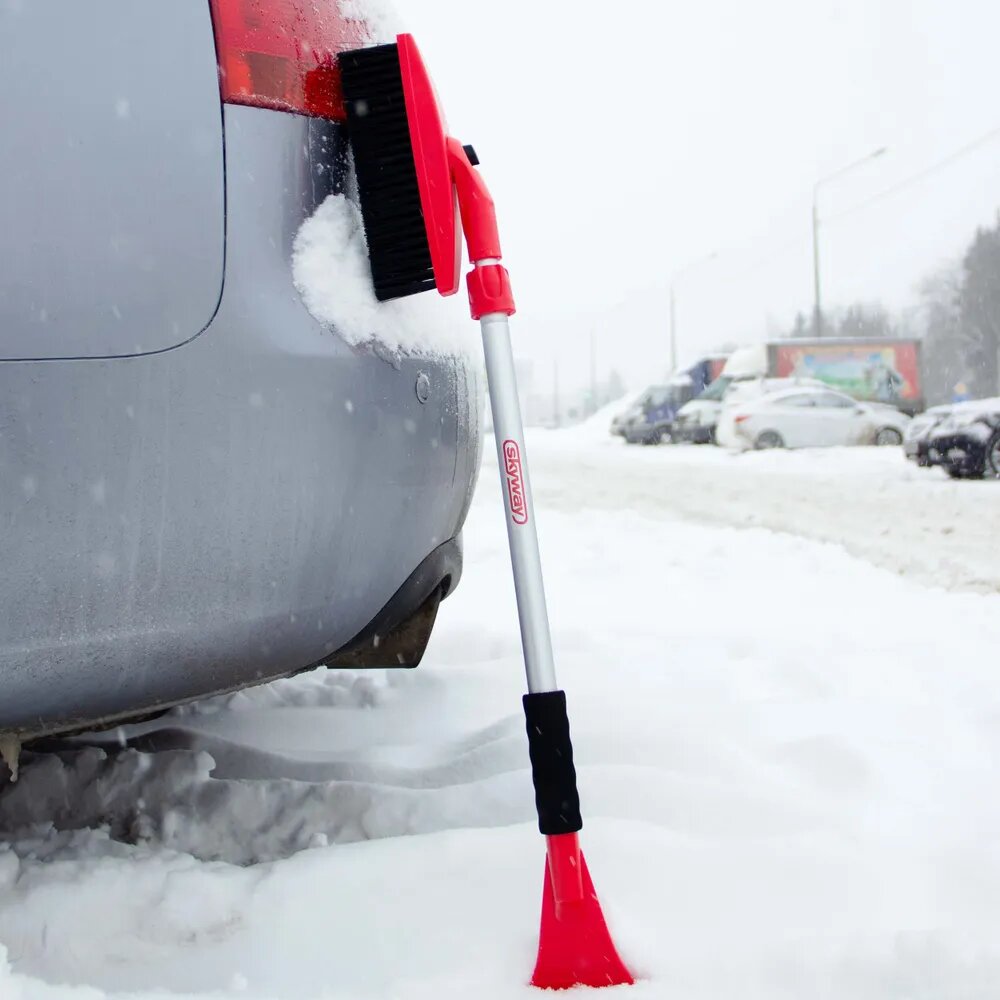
[
  {"x": 873, "y": 370},
  {"x": 651, "y": 419}
]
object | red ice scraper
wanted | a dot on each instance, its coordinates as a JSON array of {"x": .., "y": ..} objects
[{"x": 410, "y": 175}]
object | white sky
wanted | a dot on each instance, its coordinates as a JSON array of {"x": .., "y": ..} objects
[{"x": 623, "y": 141}]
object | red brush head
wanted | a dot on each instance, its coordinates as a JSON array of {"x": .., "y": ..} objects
[
  {"x": 429, "y": 141},
  {"x": 414, "y": 180}
]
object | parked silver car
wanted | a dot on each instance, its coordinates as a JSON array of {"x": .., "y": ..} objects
[{"x": 201, "y": 487}]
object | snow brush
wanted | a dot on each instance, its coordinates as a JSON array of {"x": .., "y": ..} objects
[{"x": 410, "y": 175}]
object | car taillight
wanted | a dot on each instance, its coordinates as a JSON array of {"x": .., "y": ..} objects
[
  {"x": 739, "y": 418},
  {"x": 282, "y": 54}
]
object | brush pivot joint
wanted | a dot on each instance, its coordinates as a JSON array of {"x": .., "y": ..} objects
[{"x": 488, "y": 282}]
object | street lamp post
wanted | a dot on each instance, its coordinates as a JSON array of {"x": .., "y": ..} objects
[
  {"x": 817, "y": 296},
  {"x": 593, "y": 373},
  {"x": 556, "y": 417},
  {"x": 673, "y": 328},
  {"x": 673, "y": 303}
]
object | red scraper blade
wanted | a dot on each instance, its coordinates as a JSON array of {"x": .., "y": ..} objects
[{"x": 574, "y": 946}]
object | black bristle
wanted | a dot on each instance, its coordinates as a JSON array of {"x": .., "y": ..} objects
[{"x": 398, "y": 251}]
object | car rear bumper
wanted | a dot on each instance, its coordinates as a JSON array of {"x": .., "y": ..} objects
[{"x": 231, "y": 510}]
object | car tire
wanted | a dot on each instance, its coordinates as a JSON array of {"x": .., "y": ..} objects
[
  {"x": 664, "y": 436},
  {"x": 768, "y": 439},
  {"x": 993, "y": 456},
  {"x": 888, "y": 437}
]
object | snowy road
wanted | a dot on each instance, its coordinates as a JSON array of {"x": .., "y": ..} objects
[
  {"x": 870, "y": 500},
  {"x": 787, "y": 758}
]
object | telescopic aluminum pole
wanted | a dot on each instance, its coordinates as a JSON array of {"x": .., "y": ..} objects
[{"x": 536, "y": 640}]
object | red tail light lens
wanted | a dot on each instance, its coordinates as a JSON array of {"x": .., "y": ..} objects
[
  {"x": 282, "y": 54},
  {"x": 739, "y": 418}
]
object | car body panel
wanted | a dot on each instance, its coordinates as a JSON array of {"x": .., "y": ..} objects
[
  {"x": 112, "y": 201},
  {"x": 234, "y": 509},
  {"x": 840, "y": 421}
]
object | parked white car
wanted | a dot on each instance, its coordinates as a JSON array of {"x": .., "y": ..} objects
[
  {"x": 813, "y": 418},
  {"x": 743, "y": 391},
  {"x": 699, "y": 419}
]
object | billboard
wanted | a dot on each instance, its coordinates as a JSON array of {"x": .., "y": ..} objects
[{"x": 886, "y": 371}]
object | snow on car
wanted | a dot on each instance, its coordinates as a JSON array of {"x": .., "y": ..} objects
[
  {"x": 965, "y": 441},
  {"x": 813, "y": 418}
]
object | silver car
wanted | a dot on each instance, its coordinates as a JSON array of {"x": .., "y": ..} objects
[{"x": 201, "y": 486}]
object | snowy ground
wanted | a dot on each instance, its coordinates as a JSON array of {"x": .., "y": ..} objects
[
  {"x": 870, "y": 500},
  {"x": 787, "y": 758}
]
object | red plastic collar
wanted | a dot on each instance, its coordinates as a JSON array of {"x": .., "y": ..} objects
[{"x": 490, "y": 291}]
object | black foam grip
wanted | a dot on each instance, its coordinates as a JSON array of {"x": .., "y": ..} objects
[{"x": 552, "y": 769}]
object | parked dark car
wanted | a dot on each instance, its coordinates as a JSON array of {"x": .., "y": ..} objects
[
  {"x": 967, "y": 442},
  {"x": 202, "y": 486},
  {"x": 916, "y": 440},
  {"x": 652, "y": 419}
]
